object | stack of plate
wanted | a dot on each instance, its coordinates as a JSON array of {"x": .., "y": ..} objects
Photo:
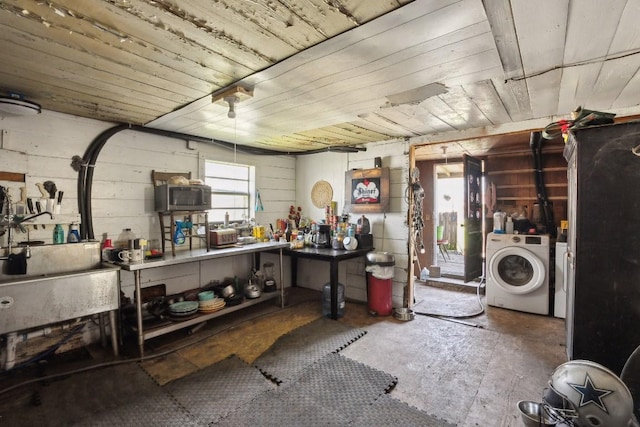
[
  {"x": 183, "y": 308},
  {"x": 211, "y": 305}
]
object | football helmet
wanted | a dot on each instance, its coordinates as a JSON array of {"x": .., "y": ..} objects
[{"x": 586, "y": 394}]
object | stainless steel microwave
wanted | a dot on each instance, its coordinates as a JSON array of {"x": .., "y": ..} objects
[{"x": 171, "y": 197}]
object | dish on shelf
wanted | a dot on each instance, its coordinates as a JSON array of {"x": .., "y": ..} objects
[
  {"x": 206, "y": 296},
  {"x": 185, "y": 314},
  {"x": 212, "y": 309},
  {"x": 215, "y": 302},
  {"x": 183, "y": 307}
]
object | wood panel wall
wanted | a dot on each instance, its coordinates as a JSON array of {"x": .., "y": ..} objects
[{"x": 514, "y": 178}]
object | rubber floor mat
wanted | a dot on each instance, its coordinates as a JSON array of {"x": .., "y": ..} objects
[
  {"x": 299, "y": 349},
  {"x": 389, "y": 412},
  {"x": 122, "y": 395},
  {"x": 333, "y": 391},
  {"x": 211, "y": 393}
]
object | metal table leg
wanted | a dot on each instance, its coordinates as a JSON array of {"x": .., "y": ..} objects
[
  {"x": 113, "y": 325},
  {"x": 282, "y": 281},
  {"x": 333, "y": 280},
  {"x": 136, "y": 275}
]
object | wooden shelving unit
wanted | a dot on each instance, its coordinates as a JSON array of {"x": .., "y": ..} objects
[{"x": 514, "y": 180}]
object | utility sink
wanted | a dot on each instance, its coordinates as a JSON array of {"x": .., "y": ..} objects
[{"x": 63, "y": 282}]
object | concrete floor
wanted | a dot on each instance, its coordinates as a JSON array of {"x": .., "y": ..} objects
[{"x": 469, "y": 372}]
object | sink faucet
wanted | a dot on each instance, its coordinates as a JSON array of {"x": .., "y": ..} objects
[{"x": 12, "y": 222}]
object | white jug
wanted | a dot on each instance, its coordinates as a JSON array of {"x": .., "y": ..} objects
[{"x": 498, "y": 222}]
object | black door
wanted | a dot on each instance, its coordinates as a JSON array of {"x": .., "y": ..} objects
[{"x": 472, "y": 218}]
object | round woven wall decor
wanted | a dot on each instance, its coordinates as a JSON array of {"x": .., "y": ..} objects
[{"x": 321, "y": 194}]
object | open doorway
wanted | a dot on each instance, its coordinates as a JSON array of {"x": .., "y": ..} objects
[{"x": 449, "y": 220}]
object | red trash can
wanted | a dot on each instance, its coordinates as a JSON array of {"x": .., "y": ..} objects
[{"x": 379, "y": 283}]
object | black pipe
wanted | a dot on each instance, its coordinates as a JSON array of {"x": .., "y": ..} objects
[
  {"x": 535, "y": 142},
  {"x": 85, "y": 174}
]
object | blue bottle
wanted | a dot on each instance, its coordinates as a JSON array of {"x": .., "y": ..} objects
[
  {"x": 74, "y": 234},
  {"x": 179, "y": 237}
]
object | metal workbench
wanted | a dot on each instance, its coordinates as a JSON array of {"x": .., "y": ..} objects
[{"x": 197, "y": 256}]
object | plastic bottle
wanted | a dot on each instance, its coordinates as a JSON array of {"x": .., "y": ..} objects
[
  {"x": 74, "y": 234},
  {"x": 498, "y": 222},
  {"x": 106, "y": 250},
  {"x": 326, "y": 300},
  {"x": 124, "y": 238},
  {"x": 58, "y": 235},
  {"x": 424, "y": 274},
  {"x": 509, "y": 226}
]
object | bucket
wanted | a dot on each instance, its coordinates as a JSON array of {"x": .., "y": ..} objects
[{"x": 440, "y": 232}]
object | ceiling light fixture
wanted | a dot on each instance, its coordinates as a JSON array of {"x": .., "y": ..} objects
[
  {"x": 230, "y": 97},
  {"x": 16, "y": 105}
]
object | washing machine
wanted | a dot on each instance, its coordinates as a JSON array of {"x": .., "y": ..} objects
[{"x": 518, "y": 272}]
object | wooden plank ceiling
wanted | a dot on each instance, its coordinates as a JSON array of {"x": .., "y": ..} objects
[{"x": 324, "y": 73}]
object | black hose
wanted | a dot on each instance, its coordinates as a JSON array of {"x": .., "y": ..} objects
[
  {"x": 535, "y": 142},
  {"x": 85, "y": 175}
]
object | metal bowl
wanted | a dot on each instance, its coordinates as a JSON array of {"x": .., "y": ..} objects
[
  {"x": 228, "y": 291},
  {"x": 534, "y": 414},
  {"x": 384, "y": 259}
]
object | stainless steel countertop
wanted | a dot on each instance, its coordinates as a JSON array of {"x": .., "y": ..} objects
[{"x": 200, "y": 255}]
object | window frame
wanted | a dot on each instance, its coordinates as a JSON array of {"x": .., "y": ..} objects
[{"x": 249, "y": 194}]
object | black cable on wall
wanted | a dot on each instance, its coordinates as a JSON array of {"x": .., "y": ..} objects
[{"x": 86, "y": 165}]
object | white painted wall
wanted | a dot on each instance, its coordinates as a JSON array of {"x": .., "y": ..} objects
[
  {"x": 389, "y": 230},
  {"x": 42, "y": 147}
]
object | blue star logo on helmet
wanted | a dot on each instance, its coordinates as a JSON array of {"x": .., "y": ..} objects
[{"x": 589, "y": 393}]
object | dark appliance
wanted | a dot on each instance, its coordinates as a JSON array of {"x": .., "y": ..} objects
[
  {"x": 603, "y": 247},
  {"x": 170, "y": 197},
  {"x": 322, "y": 238}
]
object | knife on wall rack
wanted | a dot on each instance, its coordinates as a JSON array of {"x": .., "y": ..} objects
[
  {"x": 39, "y": 209},
  {"x": 31, "y": 211}
]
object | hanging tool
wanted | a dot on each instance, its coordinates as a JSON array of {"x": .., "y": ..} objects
[
  {"x": 51, "y": 188},
  {"x": 259, "y": 206},
  {"x": 39, "y": 209},
  {"x": 31, "y": 211},
  {"x": 43, "y": 191}
]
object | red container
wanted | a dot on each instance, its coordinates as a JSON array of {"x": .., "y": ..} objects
[{"x": 379, "y": 296}]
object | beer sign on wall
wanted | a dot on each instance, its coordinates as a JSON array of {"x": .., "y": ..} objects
[{"x": 367, "y": 190}]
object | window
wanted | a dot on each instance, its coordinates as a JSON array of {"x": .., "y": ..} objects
[{"x": 231, "y": 188}]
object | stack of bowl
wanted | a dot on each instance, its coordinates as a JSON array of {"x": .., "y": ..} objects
[{"x": 209, "y": 303}]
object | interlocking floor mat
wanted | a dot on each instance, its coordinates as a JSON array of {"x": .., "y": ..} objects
[
  {"x": 217, "y": 390},
  {"x": 122, "y": 395},
  {"x": 389, "y": 412},
  {"x": 298, "y": 349},
  {"x": 334, "y": 390}
]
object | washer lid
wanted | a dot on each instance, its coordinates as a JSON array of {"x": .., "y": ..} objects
[{"x": 517, "y": 270}]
